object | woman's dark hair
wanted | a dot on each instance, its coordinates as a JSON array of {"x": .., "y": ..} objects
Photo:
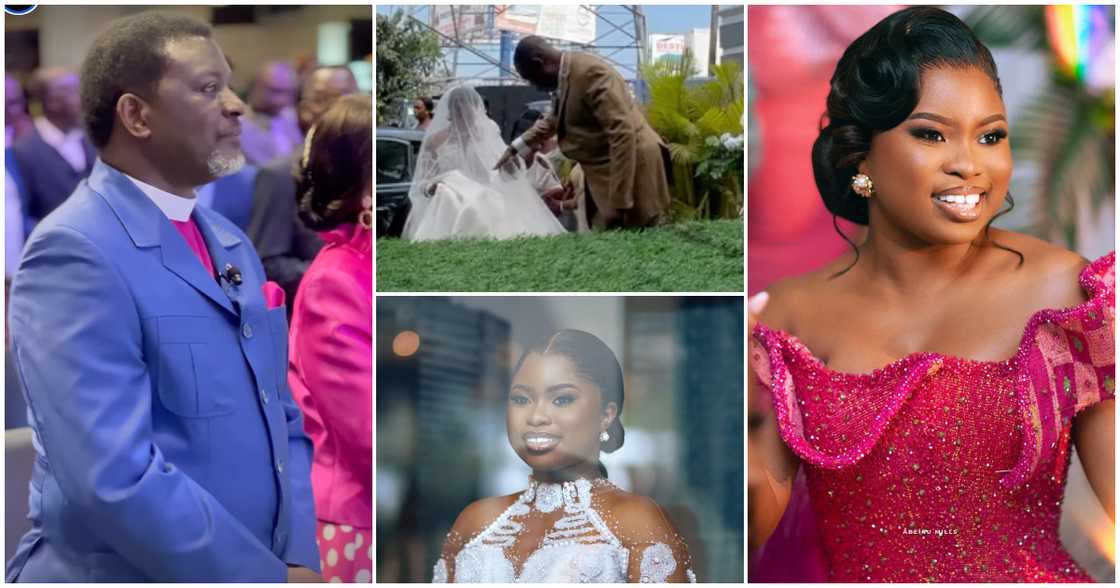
[
  {"x": 597, "y": 363},
  {"x": 128, "y": 57},
  {"x": 876, "y": 85},
  {"x": 429, "y": 104},
  {"x": 337, "y": 169}
]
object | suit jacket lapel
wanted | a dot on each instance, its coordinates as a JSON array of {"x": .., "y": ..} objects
[
  {"x": 181, "y": 260},
  {"x": 147, "y": 226},
  {"x": 563, "y": 88},
  {"x": 219, "y": 243}
]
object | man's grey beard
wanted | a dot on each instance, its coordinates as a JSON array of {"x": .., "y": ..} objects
[{"x": 224, "y": 164}]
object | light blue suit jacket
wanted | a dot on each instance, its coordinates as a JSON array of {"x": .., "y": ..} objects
[{"x": 169, "y": 447}]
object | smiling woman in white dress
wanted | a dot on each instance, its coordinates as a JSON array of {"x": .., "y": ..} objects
[
  {"x": 456, "y": 193},
  {"x": 571, "y": 524}
]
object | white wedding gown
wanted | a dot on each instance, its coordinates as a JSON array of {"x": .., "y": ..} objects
[
  {"x": 579, "y": 544},
  {"x": 455, "y": 191},
  {"x": 461, "y": 207}
]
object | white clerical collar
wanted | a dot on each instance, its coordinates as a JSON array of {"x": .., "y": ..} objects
[{"x": 174, "y": 207}]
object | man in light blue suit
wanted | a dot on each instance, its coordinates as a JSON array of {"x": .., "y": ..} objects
[{"x": 169, "y": 447}]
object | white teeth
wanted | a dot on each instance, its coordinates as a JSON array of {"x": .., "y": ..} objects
[
  {"x": 969, "y": 199},
  {"x": 539, "y": 442}
]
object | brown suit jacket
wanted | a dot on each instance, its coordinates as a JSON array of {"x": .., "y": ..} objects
[{"x": 598, "y": 125}]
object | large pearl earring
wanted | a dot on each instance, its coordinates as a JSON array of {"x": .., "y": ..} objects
[{"x": 862, "y": 185}]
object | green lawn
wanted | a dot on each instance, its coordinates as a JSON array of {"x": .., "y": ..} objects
[{"x": 701, "y": 256}]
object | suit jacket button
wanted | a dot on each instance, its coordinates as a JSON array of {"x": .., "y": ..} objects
[
  {"x": 247, "y": 330},
  {"x": 264, "y": 396}
]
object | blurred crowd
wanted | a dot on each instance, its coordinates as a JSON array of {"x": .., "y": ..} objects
[{"x": 47, "y": 154}]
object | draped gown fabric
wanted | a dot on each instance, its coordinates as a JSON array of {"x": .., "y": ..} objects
[
  {"x": 575, "y": 532},
  {"x": 938, "y": 468},
  {"x": 456, "y": 192}
]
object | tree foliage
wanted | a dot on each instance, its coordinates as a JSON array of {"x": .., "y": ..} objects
[
  {"x": 407, "y": 53},
  {"x": 699, "y": 122}
]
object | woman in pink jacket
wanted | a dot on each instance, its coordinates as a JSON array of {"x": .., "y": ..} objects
[{"x": 330, "y": 368}]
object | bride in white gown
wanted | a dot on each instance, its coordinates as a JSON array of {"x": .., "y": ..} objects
[
  {"x": 456, "y": 193},
  {"x": 571, "y": 524}
]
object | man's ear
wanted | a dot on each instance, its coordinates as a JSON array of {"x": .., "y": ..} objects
[{"x": 134, "y": 113}]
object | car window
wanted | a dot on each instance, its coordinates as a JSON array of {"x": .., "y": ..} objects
[{"x": 393, "y": 161}]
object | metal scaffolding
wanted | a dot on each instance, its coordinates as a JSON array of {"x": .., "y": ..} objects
[{"x": 482, "y": 54}]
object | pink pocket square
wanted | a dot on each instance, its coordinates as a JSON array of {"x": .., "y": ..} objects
[{"x": 273, "y": 294}]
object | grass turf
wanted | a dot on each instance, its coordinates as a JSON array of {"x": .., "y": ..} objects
[{"x": 701, "y": 256}]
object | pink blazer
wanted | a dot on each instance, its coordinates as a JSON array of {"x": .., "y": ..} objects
[{"x": 330, "y": 371}]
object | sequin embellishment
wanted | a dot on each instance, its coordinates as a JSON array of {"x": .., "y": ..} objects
[{"x": 943, "y": 469}]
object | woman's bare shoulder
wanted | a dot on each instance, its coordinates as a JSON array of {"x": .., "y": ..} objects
[
  {"x": 790, "y": 296},
  {"x": 1048, "y": 275},
  {"x": 1038, "y": 252},
  {"x": 637, "y": 518},
  {"x": 479, "y": 514}
]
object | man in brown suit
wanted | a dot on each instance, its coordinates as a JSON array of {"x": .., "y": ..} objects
[{"x": 599, "y": 126}]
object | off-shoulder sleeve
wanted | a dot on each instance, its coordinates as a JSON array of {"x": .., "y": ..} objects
[
  {"x": 444, "y": 570},
  {"x": 657, "y": 553},
  {"x": 829, "y": 419},
  {"x": 1066, "y": 363}
]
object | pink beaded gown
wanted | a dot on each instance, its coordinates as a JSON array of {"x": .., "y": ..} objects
[{"x": 938, "y": 468}]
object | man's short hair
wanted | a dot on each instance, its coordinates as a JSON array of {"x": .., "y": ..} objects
[
  {"x": 129, "y": 56},
  {"x": 529, "y": 48}
]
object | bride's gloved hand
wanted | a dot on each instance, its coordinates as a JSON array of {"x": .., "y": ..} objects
[
  {"x": 506, "y": 158},
  {"x": 508, "y": 164}
]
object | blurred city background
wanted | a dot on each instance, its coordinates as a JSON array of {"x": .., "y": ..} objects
[
  {"x": 1057, "y": 69},
  {"x": 443, "y": 373}
]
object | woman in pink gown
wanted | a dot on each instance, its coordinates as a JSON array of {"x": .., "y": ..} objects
[
  {"x": 931, "y": 384},
  {"x": 331, "y": 344}
]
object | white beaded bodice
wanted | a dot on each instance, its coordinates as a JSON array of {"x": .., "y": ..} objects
[{"x": 577, "y": 547}]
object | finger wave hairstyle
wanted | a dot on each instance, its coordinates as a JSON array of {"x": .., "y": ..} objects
[
  {"x": 596, "y": 362},
  {"x": 337, "y": 164},
  {"x": 876, "y": 85}
]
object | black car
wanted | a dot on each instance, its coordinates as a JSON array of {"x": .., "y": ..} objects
[{"x": 397, "y": 150}]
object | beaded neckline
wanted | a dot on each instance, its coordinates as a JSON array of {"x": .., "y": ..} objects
[
  {"x": 573, "y": 495},
  {"x": 1091, "y": 283}
]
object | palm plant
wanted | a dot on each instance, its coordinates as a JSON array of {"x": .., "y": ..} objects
[
  {"x": 695, "y": 121},
  {"x": 1066, "y": 132}
]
